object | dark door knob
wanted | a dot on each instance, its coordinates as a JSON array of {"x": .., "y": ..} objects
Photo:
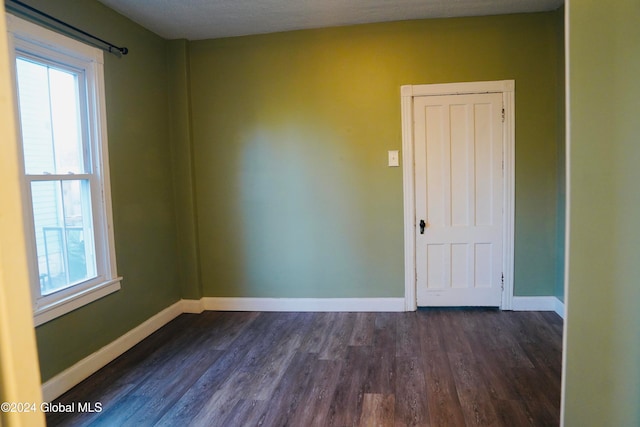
[{"x": 422, "y": 226}]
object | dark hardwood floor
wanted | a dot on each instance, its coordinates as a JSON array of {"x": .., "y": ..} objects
[{"x": 436, "y": 367}]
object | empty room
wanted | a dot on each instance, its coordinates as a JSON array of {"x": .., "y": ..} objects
[{"x": 319, "y": 213}]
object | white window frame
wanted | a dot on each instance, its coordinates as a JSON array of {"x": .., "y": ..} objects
[{"x": 31, "y": 39}]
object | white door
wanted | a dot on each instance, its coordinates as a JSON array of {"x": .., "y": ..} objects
[{"x": 459, "y": 196}]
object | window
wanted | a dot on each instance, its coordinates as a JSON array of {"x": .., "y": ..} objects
[{"x": 60, "y": 97}]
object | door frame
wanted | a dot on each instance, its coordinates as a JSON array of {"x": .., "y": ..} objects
[{"x": 408, "y": 92}]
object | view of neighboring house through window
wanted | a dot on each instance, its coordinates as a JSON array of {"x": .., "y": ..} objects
[
  {"x": 56, "y": 166},
  {"x": 62, "y": 121}
]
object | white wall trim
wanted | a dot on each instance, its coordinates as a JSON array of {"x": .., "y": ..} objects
[
  {"x": 495, "y": 86},
  {"x": 407, "y": 92},
  {"x": 304, "y": 304},
  {"x": 75, "y": 374},
  {"x": 509, "y": 193},
  {"x": 195, "y": 306},
  {"x": 409, "y": 202},
  {"x": 559, "y": 308},
  {"x": 544, "y": 303}
]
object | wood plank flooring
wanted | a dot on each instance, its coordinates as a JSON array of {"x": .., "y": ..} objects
[{"x": 435, "y": 367}]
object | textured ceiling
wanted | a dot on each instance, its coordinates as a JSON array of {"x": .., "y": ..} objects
[{"x": 208, "y": 19}]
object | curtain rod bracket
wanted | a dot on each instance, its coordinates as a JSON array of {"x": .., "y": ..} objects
[{"x": 118, "y": 50}]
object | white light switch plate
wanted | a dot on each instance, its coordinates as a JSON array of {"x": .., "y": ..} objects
[{"x": 393, "y": 158}]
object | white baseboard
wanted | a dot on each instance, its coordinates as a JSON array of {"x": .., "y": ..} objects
[
  {"x": 75, "y": 374},
  {"x": 195, "y": 306},
  {"x": 559, "y": 309},
  {"x": 304, "y": 304},
  {"x": 538, "y": 304}
]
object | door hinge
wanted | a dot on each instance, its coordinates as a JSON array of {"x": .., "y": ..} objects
[
  {"x": 503, "y": 115},
  {"x": 502, "y": 281}
]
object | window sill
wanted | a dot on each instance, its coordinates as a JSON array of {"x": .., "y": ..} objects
[{"x": 56, "y": 309}]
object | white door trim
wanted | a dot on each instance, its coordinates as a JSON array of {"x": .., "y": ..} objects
[{"x": 408, "y": 92}]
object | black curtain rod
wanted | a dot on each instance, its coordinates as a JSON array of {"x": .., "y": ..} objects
[{"x": 15, "y": 5}]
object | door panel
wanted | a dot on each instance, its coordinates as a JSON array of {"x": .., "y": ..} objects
[{"x": 459, "y": 182}]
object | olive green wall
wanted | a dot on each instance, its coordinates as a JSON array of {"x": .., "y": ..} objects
[
  {"x": 141, "y": 186},
  {"x": 256, "y": 166},
  {"x": 290, "y": 140},
  {"x": 603, "y": 320}
]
